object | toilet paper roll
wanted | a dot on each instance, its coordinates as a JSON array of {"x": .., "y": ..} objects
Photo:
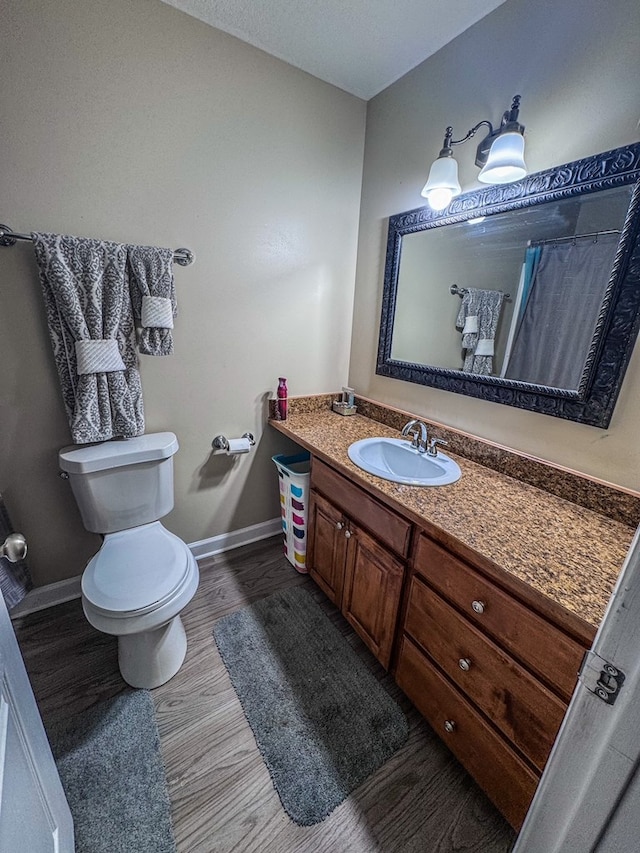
[{"x": 238, "y": 445}]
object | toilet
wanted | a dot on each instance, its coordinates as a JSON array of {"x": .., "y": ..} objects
[{"x": 143, "y": 576}]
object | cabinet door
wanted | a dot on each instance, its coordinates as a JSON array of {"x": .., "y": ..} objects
[
  {"x": 371, "y": 594},
  {"x": 327, "y": 547}
]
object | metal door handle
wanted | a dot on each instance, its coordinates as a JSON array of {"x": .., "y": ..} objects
[
  {"x": 14, "y": 547},
  {"x": 347, "y": 534},
  {"x": 478, "y": 606},
  {"x": 464, "y": 664},
  {"x": 339, "y": 525},
  {"x": 449, "y": 726}
]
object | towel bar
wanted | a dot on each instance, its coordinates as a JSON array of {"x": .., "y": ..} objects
[
  {"x": 454, "y": 290},
  {"x": 182, "y": 256}
]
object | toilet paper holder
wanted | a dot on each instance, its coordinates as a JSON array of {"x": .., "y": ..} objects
[{"x": 221, "y": 442}]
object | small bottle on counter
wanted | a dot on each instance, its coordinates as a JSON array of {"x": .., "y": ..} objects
[{"x": 281, "y": 404}]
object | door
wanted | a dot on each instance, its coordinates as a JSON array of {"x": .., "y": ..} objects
[
  {"x": 34, "y": 814},
  {"x": 588, "y": 800}
]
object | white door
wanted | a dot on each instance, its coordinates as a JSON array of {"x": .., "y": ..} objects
[
  {"x": 588, "y": 800},
  {"x": 34, "y": 814}
]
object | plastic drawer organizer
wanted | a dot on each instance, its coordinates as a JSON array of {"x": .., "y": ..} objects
[{"x": 293, "y": 478}]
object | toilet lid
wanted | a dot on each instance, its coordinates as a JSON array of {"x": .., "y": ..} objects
[{"x": 136, "y": 570}]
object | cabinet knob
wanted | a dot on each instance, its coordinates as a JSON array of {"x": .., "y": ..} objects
[
  {"x": 465, "y": 664},
  {"x": 347, "y": 534},
  {"x": 478, "y": 606},
  {"x": 339, "y": 525},
  {"x": 449, "y": 726}
]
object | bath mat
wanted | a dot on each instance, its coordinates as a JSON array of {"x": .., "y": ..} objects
[
  {"x": 112, "y": 772},
  {"x": 322, "y": 721}
]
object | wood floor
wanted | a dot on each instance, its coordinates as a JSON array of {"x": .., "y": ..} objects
[{"x": 223, "y": 801}]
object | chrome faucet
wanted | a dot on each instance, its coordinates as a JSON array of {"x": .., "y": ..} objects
[{"x": 418, "y": 432}]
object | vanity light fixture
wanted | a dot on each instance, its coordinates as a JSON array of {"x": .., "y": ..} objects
[{"x": 500, "y": 154}]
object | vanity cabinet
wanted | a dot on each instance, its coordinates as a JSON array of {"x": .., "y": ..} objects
[
  {"x": 356, "y": 554},
  {"x": 488, "y": 655},
  {"x": 491, "y": 675}
]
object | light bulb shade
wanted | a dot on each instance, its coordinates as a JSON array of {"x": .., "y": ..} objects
[
  {"x": 505, "y": 162},
  {"x": 442, "y": 184}
]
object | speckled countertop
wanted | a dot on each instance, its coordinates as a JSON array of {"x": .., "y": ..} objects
[{"x": 568, "y": 553}]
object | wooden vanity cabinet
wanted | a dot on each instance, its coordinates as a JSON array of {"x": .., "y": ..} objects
[
  {"x": 487, "y": 664},
  {"x": 490, "y": 674},
  {"x": 356, "y": 553}
]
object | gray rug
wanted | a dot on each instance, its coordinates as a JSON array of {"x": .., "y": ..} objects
[
  {"x": 322, "y": 721},
  {"x": 112, "y": 772}
]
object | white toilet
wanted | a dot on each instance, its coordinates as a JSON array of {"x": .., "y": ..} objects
[{"x": 143, "y": 576}]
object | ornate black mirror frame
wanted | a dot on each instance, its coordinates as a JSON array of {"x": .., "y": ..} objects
[{"x": 619, "y": 319}]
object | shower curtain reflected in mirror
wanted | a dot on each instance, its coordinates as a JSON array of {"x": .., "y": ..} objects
[{"x": 556, "y": 329}]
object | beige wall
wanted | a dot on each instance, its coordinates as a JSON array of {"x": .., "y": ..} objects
[
  {"x": 576, "y": 64},
  {"x": 133, "y": 122}
]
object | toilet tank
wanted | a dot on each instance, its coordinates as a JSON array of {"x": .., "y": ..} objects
[{"x": 122, "y": 483}]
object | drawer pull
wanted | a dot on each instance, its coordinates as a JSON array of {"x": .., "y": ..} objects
[
  {"x": 339, "y": 525},
  {"x": 347, "y": 534},
  {"x": 449, "y": 726},
  {"x": 464, "y": 664},
  {"x": 478, "y": 606}
]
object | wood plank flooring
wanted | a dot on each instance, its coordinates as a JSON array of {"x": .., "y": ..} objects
[{"x": 223, "y": 801}]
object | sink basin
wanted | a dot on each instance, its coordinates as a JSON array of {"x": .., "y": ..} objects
[{"x": 394, "y": 459}]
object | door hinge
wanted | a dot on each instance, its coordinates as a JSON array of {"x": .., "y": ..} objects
[{"x": 601, "y": 677}]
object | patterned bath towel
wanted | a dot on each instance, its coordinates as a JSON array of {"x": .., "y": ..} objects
[
  {"x": 478, "y": 320},
  {"x": 90, "y": 321}
]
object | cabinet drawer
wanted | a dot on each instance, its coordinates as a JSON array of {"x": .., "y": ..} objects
[
  {"x": 514, "y": 700},
  {"x": 504, "y": 777},
  {"x": 387, "y": 527},
  {"x": 542, "y": 647}
]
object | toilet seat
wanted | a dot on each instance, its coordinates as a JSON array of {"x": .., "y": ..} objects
[{"x": 136, "y": 571}]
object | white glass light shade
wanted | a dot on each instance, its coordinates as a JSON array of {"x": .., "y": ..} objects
[
  {"x": 442, "y": 184},
  {"x": 506, "y": 160}
]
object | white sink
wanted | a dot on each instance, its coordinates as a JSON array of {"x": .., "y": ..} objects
[{"x": 394, "y": 459}]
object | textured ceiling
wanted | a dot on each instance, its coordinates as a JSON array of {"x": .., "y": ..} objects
[{"x": 361, "y": 46}]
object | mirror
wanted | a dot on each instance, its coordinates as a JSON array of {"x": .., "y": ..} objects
[{"x": 526, "y": 294}]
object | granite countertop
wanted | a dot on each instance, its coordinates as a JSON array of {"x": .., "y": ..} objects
[{"x": 570, "y": 554}]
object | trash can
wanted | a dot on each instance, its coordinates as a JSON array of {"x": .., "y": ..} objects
[{"x": 293, "y": 479}]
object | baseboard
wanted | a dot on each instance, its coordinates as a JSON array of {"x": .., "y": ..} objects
[
  {"x": 46, "y": 596},
  {"x": 66, "y": 590},
  {"x": 235, "y": 538}
]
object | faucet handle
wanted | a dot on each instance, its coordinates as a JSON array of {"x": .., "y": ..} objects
[{"x": 432, "y": 449}]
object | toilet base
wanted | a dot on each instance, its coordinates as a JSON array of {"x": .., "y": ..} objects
[{"x": 150, "y": 658}]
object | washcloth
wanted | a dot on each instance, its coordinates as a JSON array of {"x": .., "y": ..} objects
[
  {"x": 91, "y": 327},
  {"x": 478, "y": 319},
  {"x": 153, "y": 297}
]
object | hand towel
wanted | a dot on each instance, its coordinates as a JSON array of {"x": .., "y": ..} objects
[
  {"x": 153, "y": 297},
  {"x": 91, "y": 327}
]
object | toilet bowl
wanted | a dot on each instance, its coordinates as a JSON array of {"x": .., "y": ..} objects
[
  {"x": 134, "y": 588},
  {"x": 143, "y": 576}
]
